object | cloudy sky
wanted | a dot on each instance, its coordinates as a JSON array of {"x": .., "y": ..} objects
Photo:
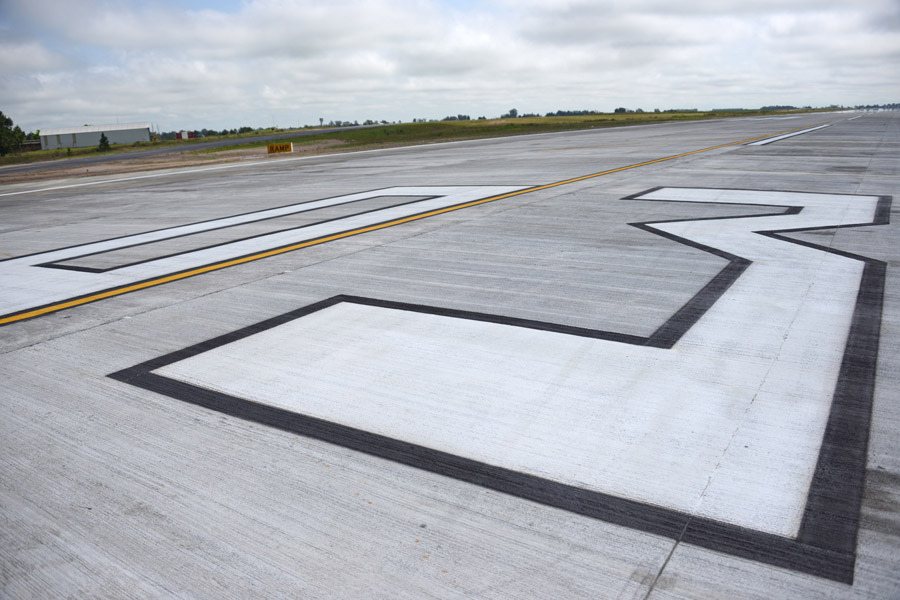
[{"x": 216, "y": 64}]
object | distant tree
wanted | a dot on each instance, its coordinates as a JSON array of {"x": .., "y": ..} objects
[
  {"x": 512, "y": 114},
  {"x": 103, "y": 146},
  {"x": 11, "y": 136},
  {"x": 572, "y": 113},
  {"x": 621, "y": 110}
]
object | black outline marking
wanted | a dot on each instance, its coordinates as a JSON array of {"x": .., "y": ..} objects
[
  {"x": 61, "y": 263},
  {"x": 826, "y": 542}
]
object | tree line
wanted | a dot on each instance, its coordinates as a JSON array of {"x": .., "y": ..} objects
[{"x": 11, "y": 136}]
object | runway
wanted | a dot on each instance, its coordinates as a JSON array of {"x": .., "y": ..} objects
[{"x": 653, "y": 362}]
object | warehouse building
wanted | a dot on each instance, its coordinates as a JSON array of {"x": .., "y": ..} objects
[{"x": 89, "y": 135}]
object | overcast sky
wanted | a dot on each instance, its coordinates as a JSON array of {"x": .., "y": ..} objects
[{"x": 216, "y": 64}]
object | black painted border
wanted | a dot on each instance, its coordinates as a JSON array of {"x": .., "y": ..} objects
[{"x": 826, "y": 542}]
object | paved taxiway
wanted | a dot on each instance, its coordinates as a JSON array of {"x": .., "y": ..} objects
[{"x": 648, "y": 362}]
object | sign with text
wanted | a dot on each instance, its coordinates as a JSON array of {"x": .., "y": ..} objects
[{"x": 276, "y": 148}]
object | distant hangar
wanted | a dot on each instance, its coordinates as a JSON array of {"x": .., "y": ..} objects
[{"x": 89, "y": 135}]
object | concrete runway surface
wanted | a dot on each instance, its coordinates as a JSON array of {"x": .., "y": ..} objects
[{"x": 651, "y": 362}]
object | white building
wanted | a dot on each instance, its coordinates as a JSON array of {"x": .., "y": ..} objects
[{"x": 89, "y": 135}]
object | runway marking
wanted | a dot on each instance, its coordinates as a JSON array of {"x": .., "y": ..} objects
[
  {"x": 27, "y": 294},
  {"x": 26, "y": 284},
  {"x": 741, "y": 425},
  {"x": 778, "y": 138},
  {"x": 214, "y": 234}
]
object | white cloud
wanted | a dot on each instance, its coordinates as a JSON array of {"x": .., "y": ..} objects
[
  {"x": 28, "y": 57},
  {"x": 291, "y": 61}
]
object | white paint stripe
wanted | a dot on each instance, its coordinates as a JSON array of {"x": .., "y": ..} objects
[
  {"x": 26, "y": 285},
  {"x": 787, "y": 135},
  {"x": 726, "y": 425},
  {"x": 193, "y": 228}
]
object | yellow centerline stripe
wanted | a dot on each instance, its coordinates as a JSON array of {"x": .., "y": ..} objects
[{"x": 268, "y": 253}]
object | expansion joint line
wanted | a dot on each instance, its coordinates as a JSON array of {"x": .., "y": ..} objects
[{"x": 110, "y": 293}]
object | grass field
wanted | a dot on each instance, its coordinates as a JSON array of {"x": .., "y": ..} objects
[
  {"x": 64, "y": 153},
  {"x": 435, "y": 131},
  {"x": 403, "y": 133}
]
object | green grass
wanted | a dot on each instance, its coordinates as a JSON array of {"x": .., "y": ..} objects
[
  {"x": 407, "y": 133},
  {"x": 436, "y": 131},
  {"x": 58, "y": 154}
]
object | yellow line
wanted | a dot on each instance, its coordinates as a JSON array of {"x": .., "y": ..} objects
[{"x": 238, "y": 261}]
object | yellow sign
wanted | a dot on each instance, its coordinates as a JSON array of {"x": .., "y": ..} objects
[{"x": 275, "y": 148}]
